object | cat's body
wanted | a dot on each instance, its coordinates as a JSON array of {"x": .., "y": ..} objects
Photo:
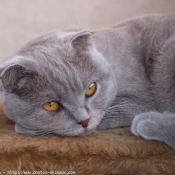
[{"x": 128, "y": 71}]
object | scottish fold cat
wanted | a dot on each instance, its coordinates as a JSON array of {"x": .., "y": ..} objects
[{"x": 73, "y": 82}]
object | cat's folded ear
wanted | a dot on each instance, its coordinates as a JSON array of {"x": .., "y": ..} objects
[
  {"x": 12, "y": 73},
  {"x": 80, "y": 40}
]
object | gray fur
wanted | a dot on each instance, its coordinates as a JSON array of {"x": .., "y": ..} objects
[
  {"x": 132, "y": 63},
  {"x": 57, "y": 67}
]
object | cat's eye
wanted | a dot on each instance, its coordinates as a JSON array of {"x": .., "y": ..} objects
[
  {"x": 91, "y": 90},
  {"x": 51, "y": 106}
]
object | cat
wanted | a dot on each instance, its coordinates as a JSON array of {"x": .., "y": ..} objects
[{"x": 73, "y": 82}]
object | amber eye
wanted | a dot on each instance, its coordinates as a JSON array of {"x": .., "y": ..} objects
[
  {"x": 91, "y": 90},
  {"x": 51, "y": 106}
]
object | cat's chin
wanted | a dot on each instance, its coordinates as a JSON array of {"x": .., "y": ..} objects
[
  {"x": 80, "y": 131},
  {"x": 87, "y": 133}
]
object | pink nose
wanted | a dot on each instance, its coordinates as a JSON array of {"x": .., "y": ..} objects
[{"x": 84, "y": 123}]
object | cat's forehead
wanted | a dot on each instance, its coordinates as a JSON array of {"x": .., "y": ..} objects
[
  {"x": 74, "y": 73},
  {"x": 67, "y": 80},
  {"x": 54, "y": 51},
  {"x": 61, "y": 64}
]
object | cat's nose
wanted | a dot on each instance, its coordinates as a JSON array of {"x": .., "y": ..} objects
[{"x": 84, "y": 123}]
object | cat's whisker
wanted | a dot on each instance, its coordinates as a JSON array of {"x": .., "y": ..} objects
[{"x": 120, "y": 107}]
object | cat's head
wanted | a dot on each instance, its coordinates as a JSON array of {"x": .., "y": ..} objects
[{"x": 59, "y": 83}]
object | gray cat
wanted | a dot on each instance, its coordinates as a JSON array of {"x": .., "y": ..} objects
[{"x": 72, "y": 82}]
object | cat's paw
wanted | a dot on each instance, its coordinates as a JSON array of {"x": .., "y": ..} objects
[
  {"x": 147, "y": 126},
  {"x": 155, "y": 126}
]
